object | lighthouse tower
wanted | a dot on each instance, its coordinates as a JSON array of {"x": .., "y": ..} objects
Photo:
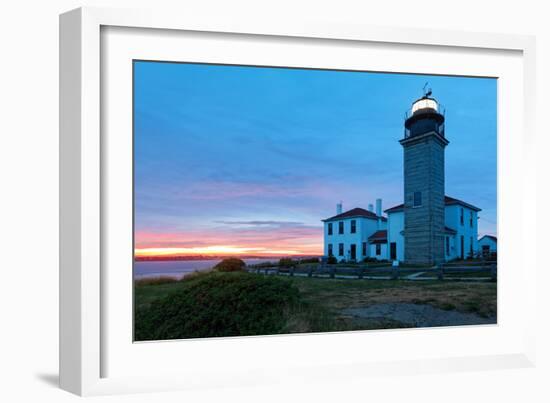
[{"x": 424, "y": 145}]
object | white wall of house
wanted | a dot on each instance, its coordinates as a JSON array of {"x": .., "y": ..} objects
[
  {"x": 466, "y": 230},
  {"x": 383, "y": 255},
  {"x": 451, "y": 250},
  {"x": 365, "y": 227},
  {"x": 396, "y": 223}
]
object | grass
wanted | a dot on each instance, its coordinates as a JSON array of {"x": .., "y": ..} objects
[
  {"x": 300, "y": 304},
  {"x": 154, "y": 281},
  {"x": 474, "y": 273},
  {"x": 334, "y": 294}
]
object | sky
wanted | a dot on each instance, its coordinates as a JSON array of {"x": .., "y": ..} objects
[{"x": 248, "y": 160}]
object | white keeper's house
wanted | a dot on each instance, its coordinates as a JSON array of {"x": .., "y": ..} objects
[{"x": 429, "y": 227}]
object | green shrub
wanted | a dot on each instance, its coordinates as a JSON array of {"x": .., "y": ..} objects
[
  {"x": 195, "y": 274},
  {"x": 286, "y": 262},
  {"x": 230, "y": 264},
  {"x": 219, "y": 305},
  {"x": 370, "y": 260},
  {"x": 332, "y": 260},
  {"x": 309, "y": 260}
]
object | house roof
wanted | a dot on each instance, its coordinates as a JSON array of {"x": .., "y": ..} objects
[
  {"x": 449, "y": 201},
  {"x": 494, "y": 238},
  {"x": 450, "y": 230},
  {"x": 356, "y": 212},
  {"x": 380, "y": 236}
]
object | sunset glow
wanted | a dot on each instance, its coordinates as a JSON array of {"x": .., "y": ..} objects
[{"x": 212, "y": 250}]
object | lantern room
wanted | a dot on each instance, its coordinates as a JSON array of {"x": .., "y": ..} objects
[{"x": 424, "y": 117}]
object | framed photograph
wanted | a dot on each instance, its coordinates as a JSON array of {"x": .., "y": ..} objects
[{"x": 245, "y": 202}]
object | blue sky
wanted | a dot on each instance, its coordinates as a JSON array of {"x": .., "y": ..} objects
[{"x": 253, "y": 157}]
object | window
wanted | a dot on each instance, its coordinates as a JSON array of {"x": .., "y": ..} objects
[
  {"x": 447, "y": 246},
  {"x": 471, "y": 247},
  {"x": 378, "y": 249},
  {"x": 330, "y": 228},
  {"x": 471, "y": 219},
  {"x": 353, "y": 226},
  {"x": 341, "y": 227},
  {"x": 417, "y": 199},
  {"x": 461, "y": 216},
  {"x": 340, "y": 249},
  {"x": 364, "y": 249},
  {"x": 330, "y": 249}
]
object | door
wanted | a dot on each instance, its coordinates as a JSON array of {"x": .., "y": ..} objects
[
  {"x": 462, "y": 246},
  {"x": 353, "y": 251},
  {"x": 393, "y": 251}
]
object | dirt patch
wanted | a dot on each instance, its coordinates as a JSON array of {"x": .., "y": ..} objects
[
  {"x": 417, "y": 315},
  {"x": 479, "y": 298}
]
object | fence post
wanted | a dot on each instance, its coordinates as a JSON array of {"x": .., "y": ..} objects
[
  {"x": 292, "y": 270},
  {"x": 360, "y": 275},
  {"x": 395, "y": 272},
  {"x": 493, "y": 272},
  {"x": 277, "y": 271},
  {"x": 440, "y": 271},
  {"x": 332, "y": 271}
]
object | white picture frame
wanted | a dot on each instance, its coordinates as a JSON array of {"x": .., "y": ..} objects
[{"x": 86, "y": 342}]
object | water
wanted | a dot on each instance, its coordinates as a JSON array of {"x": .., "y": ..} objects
[{"x": 180, "y": 268}]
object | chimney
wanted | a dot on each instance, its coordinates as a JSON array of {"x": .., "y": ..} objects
[
  {"x": 371, "y": 208},
  {"x": 379, "y": 213},
  {"x": 339, "y": 208}
]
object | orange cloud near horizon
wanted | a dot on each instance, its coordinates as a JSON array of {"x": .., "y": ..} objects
[
  {"x": 293, "y": 241},
  {"x": 217, "y": 250}
]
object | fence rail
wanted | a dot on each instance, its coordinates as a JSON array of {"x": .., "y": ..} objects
[{"x": 470, "y": 272}]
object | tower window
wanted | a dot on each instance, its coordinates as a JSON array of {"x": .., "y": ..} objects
[
  {"x": 330, "y": 249},
  {"x": 378, "y": 249},
  {"x": 353, "y": 226},
  {"x": 341, "y": 227},
  {"x": 330, "y": 228},
  {"x": 340, "y": 249},
  {"x": 364, "y": 247},
  {"x": 417, "y": 199}
]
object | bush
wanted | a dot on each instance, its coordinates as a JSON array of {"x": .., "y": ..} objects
[
  {"x": 332, "y": 260},
  {"x": 309, "y": 260},
  {"x": 370, "y": 260},
  {"x": 230, "y": 264},
  {"x": 219, "y": 305},
  {"x": 287, "y": 262}
]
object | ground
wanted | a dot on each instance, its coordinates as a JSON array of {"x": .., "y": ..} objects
[
  {"x": 343, "y": 304},
  {"x": 345, "y": 299}
]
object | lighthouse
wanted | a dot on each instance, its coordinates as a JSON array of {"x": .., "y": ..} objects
[{"x": 424, "y": 145}]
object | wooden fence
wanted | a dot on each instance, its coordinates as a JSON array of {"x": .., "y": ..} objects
[{"x": 485, "y": 271}]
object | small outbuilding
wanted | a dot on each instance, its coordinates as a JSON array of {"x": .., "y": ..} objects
[{"x": 487, "y": 244}]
